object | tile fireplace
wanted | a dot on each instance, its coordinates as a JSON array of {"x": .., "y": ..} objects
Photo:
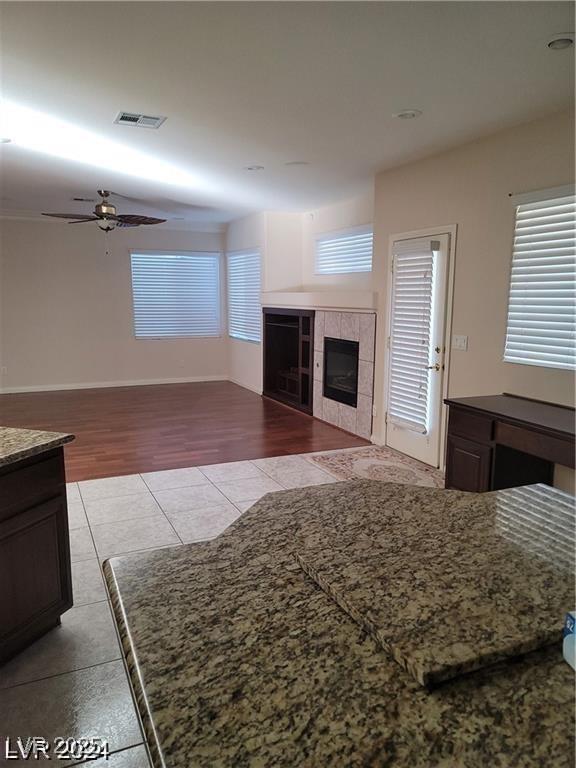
[
  {"x": 344, "y": 369},
  {"x": 322, "y": 362}
]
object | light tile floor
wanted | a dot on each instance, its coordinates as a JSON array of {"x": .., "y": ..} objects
[{"x": 72, "y": 682}]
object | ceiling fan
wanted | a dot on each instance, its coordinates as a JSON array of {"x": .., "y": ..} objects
[{"x": 106, "y": 216}]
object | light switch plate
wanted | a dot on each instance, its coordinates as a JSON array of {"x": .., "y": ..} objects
[{"x": 460, "y": 342}]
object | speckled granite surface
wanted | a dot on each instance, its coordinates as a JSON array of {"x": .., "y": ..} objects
[
  {"x": 238, "y": 658},
  {"x": 454, "y": 592},
  {"x": 16, "y": 444}
]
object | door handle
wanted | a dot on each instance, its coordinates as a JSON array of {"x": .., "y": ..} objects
[{"x": 435, "y": 367}]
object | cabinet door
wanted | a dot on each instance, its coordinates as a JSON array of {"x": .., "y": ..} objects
[
  {"x": 35, "y": 585},
  {"x": 467, "y": 465}
]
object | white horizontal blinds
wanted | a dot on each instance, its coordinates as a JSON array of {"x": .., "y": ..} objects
[
  {"x": 176, "y": 294},
  {"x": 342, "y": 252},
  {"x": 244, "y": 306},
  {"x": 410, "y": 334},
  {"x": 542, "y": 307}
]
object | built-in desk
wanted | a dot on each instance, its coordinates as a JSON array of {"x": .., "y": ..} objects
[{"x": 503, "y": 441}]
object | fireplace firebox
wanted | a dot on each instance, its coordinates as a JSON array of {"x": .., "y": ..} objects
[{"x": 341, "y": 370}]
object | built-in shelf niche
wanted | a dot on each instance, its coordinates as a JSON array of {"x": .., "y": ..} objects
[{"x": 288, "y": 356}]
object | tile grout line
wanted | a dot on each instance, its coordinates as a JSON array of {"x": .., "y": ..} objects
[
  {"x": 109, "y": 603},
  {"x": 262, "y": 471},
  {"x": 161, "y": 510},
  {"x": 301, "y": 456},
  {"x": 112, "y": 752},
  {"x": 59, "y": 674},
  {"x": 209, "y": 482}
]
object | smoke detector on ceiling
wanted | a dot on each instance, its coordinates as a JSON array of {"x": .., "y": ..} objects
[{"x": 139, "y": 120}]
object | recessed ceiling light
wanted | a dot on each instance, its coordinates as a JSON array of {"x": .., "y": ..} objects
[
  {"x": 297, "y": 162},
  {"x": 408, "y": 114},
  {"x": 254, "y": 168},
  {"x": 5, "y": 140},
  {"x": 561, "y": 42}
]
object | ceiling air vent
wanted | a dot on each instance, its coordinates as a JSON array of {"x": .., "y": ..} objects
[{"x": 139, "y": 121}]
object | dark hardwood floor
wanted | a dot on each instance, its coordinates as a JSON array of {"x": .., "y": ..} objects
[{"x": 126, "y": 430}]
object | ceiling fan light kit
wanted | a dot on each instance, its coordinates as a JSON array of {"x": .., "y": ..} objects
[{"x": 106, "y": 216}]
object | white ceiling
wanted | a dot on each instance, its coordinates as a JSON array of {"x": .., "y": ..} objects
[{"x": 268, "y": 83}]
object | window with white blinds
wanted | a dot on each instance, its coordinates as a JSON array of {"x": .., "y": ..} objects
[
  {"x": 410, "y": 333},
  {"x": 244, "y": 306},
  {"x": 342, "y": 252},
  {"x": 542, "y": 307},
  {"x": 176, "y": 294}
]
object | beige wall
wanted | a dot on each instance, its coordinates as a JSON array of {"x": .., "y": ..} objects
[
  {"x": 67, "y": 309},
  {"x": 65, "y": 306},
  {"x": 469, "y": 186},
  {"x": 282, "y": 252},
  {"x": 278, "y": 237},
  {"x": 245, "y": 357}
]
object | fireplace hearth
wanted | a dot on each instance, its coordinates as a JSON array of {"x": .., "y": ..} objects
[{"x": 341, "y": 370}]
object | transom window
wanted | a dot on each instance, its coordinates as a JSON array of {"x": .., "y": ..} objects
[
  {"x": 542, "y": 308},
  {"x": 176, "y": 294},
  {"x": 344, "y": 252}
]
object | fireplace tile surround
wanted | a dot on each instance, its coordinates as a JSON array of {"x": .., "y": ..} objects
[{"x": 352, "y": 326}]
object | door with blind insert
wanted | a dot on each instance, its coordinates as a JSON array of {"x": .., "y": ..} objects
[{"x": 416, "y": 347}]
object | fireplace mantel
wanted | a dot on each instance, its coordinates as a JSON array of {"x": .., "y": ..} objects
[{"x": 352, "y": 301}]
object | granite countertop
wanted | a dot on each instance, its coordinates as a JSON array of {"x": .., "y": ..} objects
[
  {"x": 16, "y": 444},
  {"x": 488, "y": 579},
  {"x": 238, "y": 658}
]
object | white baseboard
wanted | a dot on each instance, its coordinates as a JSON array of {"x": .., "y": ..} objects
[
  {"x": 107, "y": 384},
  {"x": 246, "y": 386}
]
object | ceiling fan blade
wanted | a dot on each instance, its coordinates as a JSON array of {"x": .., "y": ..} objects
[
  {"x": 129, "y": 220},
  {"x": 85, "y": 221},
  {"x": 77, "y": 216},
  {"x": 163, "y": 205}
]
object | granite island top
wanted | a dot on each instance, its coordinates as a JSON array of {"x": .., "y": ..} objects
[
  {"x": 17, "y": 444},
  {"x": 238, "y": 657}
]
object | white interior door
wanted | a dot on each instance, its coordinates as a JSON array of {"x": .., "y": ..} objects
[{"x": 416, "y": 346}]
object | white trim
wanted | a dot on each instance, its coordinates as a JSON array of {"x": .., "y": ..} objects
[
  {"x": 244, "y": 252},
  {"x": 111, "y": 384},
  {"x": 335, "y": 301},
  {"x": 257, "y": 390},
  {"x": 542, "y": 194},
  {"x": 173, "y": 252},
  {"x": 359, "y": 229},
  {"x": 452, "y": 231}
]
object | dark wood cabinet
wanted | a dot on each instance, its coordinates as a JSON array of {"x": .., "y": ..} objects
[
  {"x": 467, "y": 464},
  {"x": 35, "y": 571},
  {"x": 288, "y": 343},
  {"x": 504, "y": 441}
]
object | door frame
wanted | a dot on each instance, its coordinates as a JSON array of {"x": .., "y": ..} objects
[{"x": 451, "y": 230}]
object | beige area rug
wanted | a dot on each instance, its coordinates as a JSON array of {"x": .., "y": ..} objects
[{"x": 379, "y": 463}]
